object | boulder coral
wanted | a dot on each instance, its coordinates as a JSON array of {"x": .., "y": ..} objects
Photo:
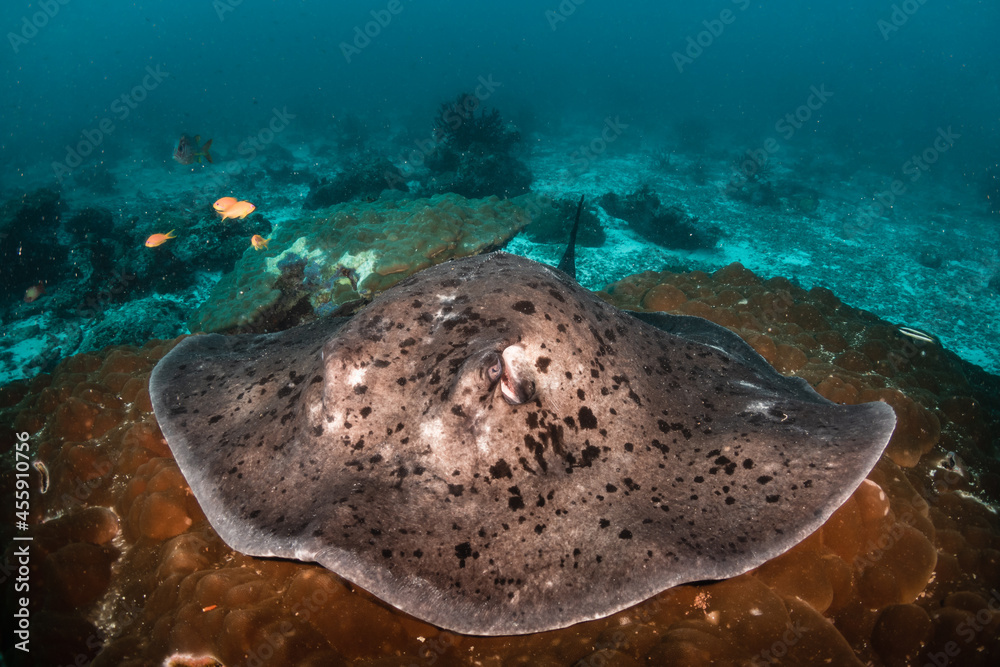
[
  {"x": 302, "y": 274},
  {"x": 125, "y": 569}
]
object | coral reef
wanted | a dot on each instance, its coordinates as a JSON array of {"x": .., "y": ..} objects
[
  {"x": 553, "y": 220},
  {"x": 668, "y": 226},
  {"x": 29, "y": 242},
  {"x": 126, "y": 571},
  {"x": 364, "y": 180},
  {"x": 474, "y": 152},
  {"x": 302, "y": 273}
]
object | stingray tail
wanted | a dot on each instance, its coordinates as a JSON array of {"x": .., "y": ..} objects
[{"x": 568, "y": 262}]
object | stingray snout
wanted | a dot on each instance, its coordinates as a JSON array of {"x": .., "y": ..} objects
[{"x": 517, "y": 382}]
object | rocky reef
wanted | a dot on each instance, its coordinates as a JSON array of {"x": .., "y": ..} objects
[
  {"x": 125, "y": 570},
  {"x": 321, "y": 261}
]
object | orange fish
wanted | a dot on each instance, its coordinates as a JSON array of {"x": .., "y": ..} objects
[
  {"x": 34, "y": 292},
  {"x": 224, "y": 203},
  {"x": 240, "y": 209},
  {"x": 159, "y": 239},
  {"x": 259, "y": 242}
]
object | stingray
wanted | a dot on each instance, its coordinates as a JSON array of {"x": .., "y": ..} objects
[{"x": 491, "y": 448}]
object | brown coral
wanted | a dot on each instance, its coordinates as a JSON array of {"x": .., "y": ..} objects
[{"x": 903, "y": 573}]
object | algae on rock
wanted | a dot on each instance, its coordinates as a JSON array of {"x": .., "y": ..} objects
[{"x": 321, "y": 261}]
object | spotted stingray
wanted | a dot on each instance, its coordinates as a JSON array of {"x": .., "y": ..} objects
[{"x": 493, "y": 449}]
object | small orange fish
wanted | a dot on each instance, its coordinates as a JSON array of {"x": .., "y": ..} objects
[
  {"x": 259, "y": 242},
  {"x": 34, "y": 292},
  {"x": 240, "y": 209},
  {"x": 159, "y": 239},
  {"x": 224, "y": 203}
]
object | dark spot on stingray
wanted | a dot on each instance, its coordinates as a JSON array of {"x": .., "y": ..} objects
[
  {"x": 417, "y": 303},
  {"x": 408, "y": 342},
  {"x": 500, "y": 469},
  {"x": 569, "y": 421},
  {"x": 359, "y": 389},
  {"x": 381, "y": 363},
  {"x": 542, "y": 364},
  {"x": 365, "y": 411},
  {"x": 457, "y": 410},
  {"x": 748, "y": 463},
  {"x": 594, "y": 373},
  {"x": 515, "y": 503},
  {"x": 773, "y": 499},
  {"x": 610, "y": 488},
  {"x": 456, "y": 489},
  {"x": 764, "y": 479},
  {"x": 604, "y": 523},
  {"x": 557, "y": 296},
  {"x": 525, "y": 307},
  {"x": 386, "y": 553},
  {"x": 539, "y": 528},
  {"x": 581, "y": 395},
  {"x": 626, "y": 534},
  {"x": 215, "y": 420},
  {"x": 401, "y": 381},
  {"x": 586, "y": 418}
]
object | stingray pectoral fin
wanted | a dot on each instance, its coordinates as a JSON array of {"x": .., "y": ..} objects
[{"x": 228, "y": 407}]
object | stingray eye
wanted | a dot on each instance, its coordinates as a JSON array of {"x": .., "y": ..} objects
[{"x": 494, "y": 367}]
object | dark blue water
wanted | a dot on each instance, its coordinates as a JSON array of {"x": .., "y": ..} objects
[{"x": 227, "y": 64}]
